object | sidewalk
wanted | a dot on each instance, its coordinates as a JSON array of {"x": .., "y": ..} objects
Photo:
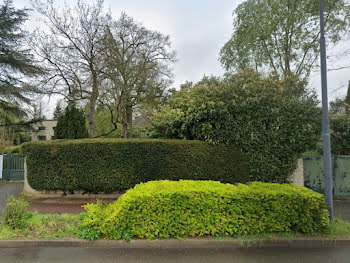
[{"x": 62, "y": 205}]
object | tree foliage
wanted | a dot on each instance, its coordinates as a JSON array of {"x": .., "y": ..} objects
[
  {"x": 89, "y": 56},
  {"x": 136, "y": 66},
  {"x": 282, "y": 35},
  {"x": 69, "y": 51},
  {"x": 16, "y": 63},
  {"x": 274, "y": 121},
  {"x": 71, "y": 125}
]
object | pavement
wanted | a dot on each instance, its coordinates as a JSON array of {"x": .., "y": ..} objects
[
  {"x": 334, "y": 254},
  {"x": 7, "y": 189}
]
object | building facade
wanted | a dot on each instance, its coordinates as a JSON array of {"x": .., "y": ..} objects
[{"x": 44, "y": 130}]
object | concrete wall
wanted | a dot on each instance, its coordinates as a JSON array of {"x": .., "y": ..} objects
[{"x": 297, "y": 178}]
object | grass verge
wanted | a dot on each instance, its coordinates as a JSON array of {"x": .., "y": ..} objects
[
  {"x": 44, "y": 226},
  {"x": 51, "y": 226}
]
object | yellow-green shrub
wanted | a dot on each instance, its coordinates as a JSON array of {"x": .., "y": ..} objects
[{"x": 169, "y": 209}]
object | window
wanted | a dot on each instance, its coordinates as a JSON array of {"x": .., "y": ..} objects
[
  {"x": 42, "y": 128},
  {"x": 42, "y": 138},
  {"x": 54, "y": 128}
]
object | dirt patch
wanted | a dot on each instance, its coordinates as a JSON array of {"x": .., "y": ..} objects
[{"x": 61, "y": 205}]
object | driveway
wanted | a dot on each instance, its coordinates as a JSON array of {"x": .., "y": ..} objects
[{"x": 7, "y": 189}]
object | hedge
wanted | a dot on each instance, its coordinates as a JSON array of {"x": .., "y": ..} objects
[
  {"x": 107, "y": 165},
  {"x": 169, "y": 209}
]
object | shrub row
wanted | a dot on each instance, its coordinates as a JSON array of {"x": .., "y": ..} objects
[
  {"x": 107, "y": 165},
  {"x": 168, "y": 209}
]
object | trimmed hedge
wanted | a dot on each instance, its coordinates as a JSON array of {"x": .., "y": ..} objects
[
  {"x": 168, "y": 209},
  {"x": 107, "y": 165}
]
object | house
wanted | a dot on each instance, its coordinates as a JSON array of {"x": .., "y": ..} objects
[{"x": 44, "y": 130}]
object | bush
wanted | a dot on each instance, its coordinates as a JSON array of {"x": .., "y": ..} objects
[
  {"x": 168, "y": 209},
  {"x": 340, "y": 135},
  {"x": 273, "y": 121},
  {"x": 16, "y": 213},
  {"x": 107, "y": 165}
]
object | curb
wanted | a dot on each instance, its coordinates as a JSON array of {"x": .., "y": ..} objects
[{"x": 174, "y": 244}]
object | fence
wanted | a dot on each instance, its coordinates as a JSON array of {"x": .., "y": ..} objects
[
  {"x": 13, "y": 167},
  {"x": 313, "y": 174}
]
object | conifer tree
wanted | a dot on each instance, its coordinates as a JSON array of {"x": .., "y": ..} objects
[
  {"x": 16, "y": 62},
  {"x": 71, "y": 125}
]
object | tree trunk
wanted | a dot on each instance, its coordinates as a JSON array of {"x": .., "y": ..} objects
[
  {"x": 93, "y": 100},
  {"x": 125, "y": 126},
  {"x": 130, "y": 121}
]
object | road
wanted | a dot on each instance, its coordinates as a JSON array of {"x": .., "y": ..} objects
[
  {"x": 339, "y": 254},
  {"x": 7, "y": 189}
]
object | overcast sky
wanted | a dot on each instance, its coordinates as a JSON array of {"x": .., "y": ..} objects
[{"x": 198, "y": 29}]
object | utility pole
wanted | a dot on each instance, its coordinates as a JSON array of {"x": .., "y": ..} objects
[{"x": 325, "y": 120}]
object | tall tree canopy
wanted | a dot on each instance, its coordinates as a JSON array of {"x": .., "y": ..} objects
[
  {"x": 282, "y": 35},
  {"x": 16, "y": 63},
  {"x": 136, "y": 63},
  {"x": 69, "y": 51}
]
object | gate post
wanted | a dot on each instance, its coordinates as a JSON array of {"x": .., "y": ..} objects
[{"x": 1, "y": 165}]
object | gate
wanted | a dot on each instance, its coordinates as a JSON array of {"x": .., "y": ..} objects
[
  {"x": 13, "y": 167},
  {"x": 313, "y": 174}
]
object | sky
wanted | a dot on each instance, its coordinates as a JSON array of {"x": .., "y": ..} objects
[{"x": 198, "y": 29}]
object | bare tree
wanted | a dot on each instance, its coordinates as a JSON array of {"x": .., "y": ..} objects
[
  {"x": 69, "y": 51},
  {"x": 136, "y": 62}
]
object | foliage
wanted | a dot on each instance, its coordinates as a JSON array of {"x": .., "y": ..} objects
[
  {"x": 107, "y": 165},
  {"x": 88, "y": 56},
  {"x": 340, "y": 134},
  {"x": 71, "y": 125},
  {"x": 15, "y": 214},
  {"x": 68, "y": 49},
  {"x": 273, "y": 121},
  {"x": 168, "y": 209},
  {"x": 44, "y": 226},
  {"x": 282, "y": 35},
  {"x": 58, "y": 112},
  {"x": 137, "y": 69},
  {"x": 339, "y": 227},
  {"x": 104, "y": 126},
  {"x": 17, "y": 68}
]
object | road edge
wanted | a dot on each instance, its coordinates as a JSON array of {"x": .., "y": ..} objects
[{"x": 175, "y": 244}]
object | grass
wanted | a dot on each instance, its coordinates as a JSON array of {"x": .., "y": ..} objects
[
  {"x": 339, "y": 228},
  {"x": 44, "y": 226},
  {"x": 52, "y": 226}
]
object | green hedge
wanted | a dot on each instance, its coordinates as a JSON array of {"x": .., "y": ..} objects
[
  {"x": 106, "y": 165},
  {"x": 168, "y": 209}
]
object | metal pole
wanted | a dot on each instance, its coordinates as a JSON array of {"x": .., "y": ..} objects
[{"x": 325, "y": 120}]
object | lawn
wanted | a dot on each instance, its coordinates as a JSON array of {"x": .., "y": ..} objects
[{"x": 44, "y": 226}]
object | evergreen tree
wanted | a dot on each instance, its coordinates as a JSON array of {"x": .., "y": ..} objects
[
  {"x": 71, "y": 125},
  {"x": 16, "y": 62},
  {"x": 58, "y": 111}
]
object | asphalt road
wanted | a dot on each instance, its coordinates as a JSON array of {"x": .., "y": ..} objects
[
  {"x": 337, "y": 254},
  {"x": 7, "y": 189}
]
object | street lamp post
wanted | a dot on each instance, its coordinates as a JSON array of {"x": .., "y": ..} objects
[{"x": 325, "y": 120}]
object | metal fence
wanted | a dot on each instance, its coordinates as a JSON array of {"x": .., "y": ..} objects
[
  {"x": 13, "y": 167},
  {"x": 313, "y": 174}
]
